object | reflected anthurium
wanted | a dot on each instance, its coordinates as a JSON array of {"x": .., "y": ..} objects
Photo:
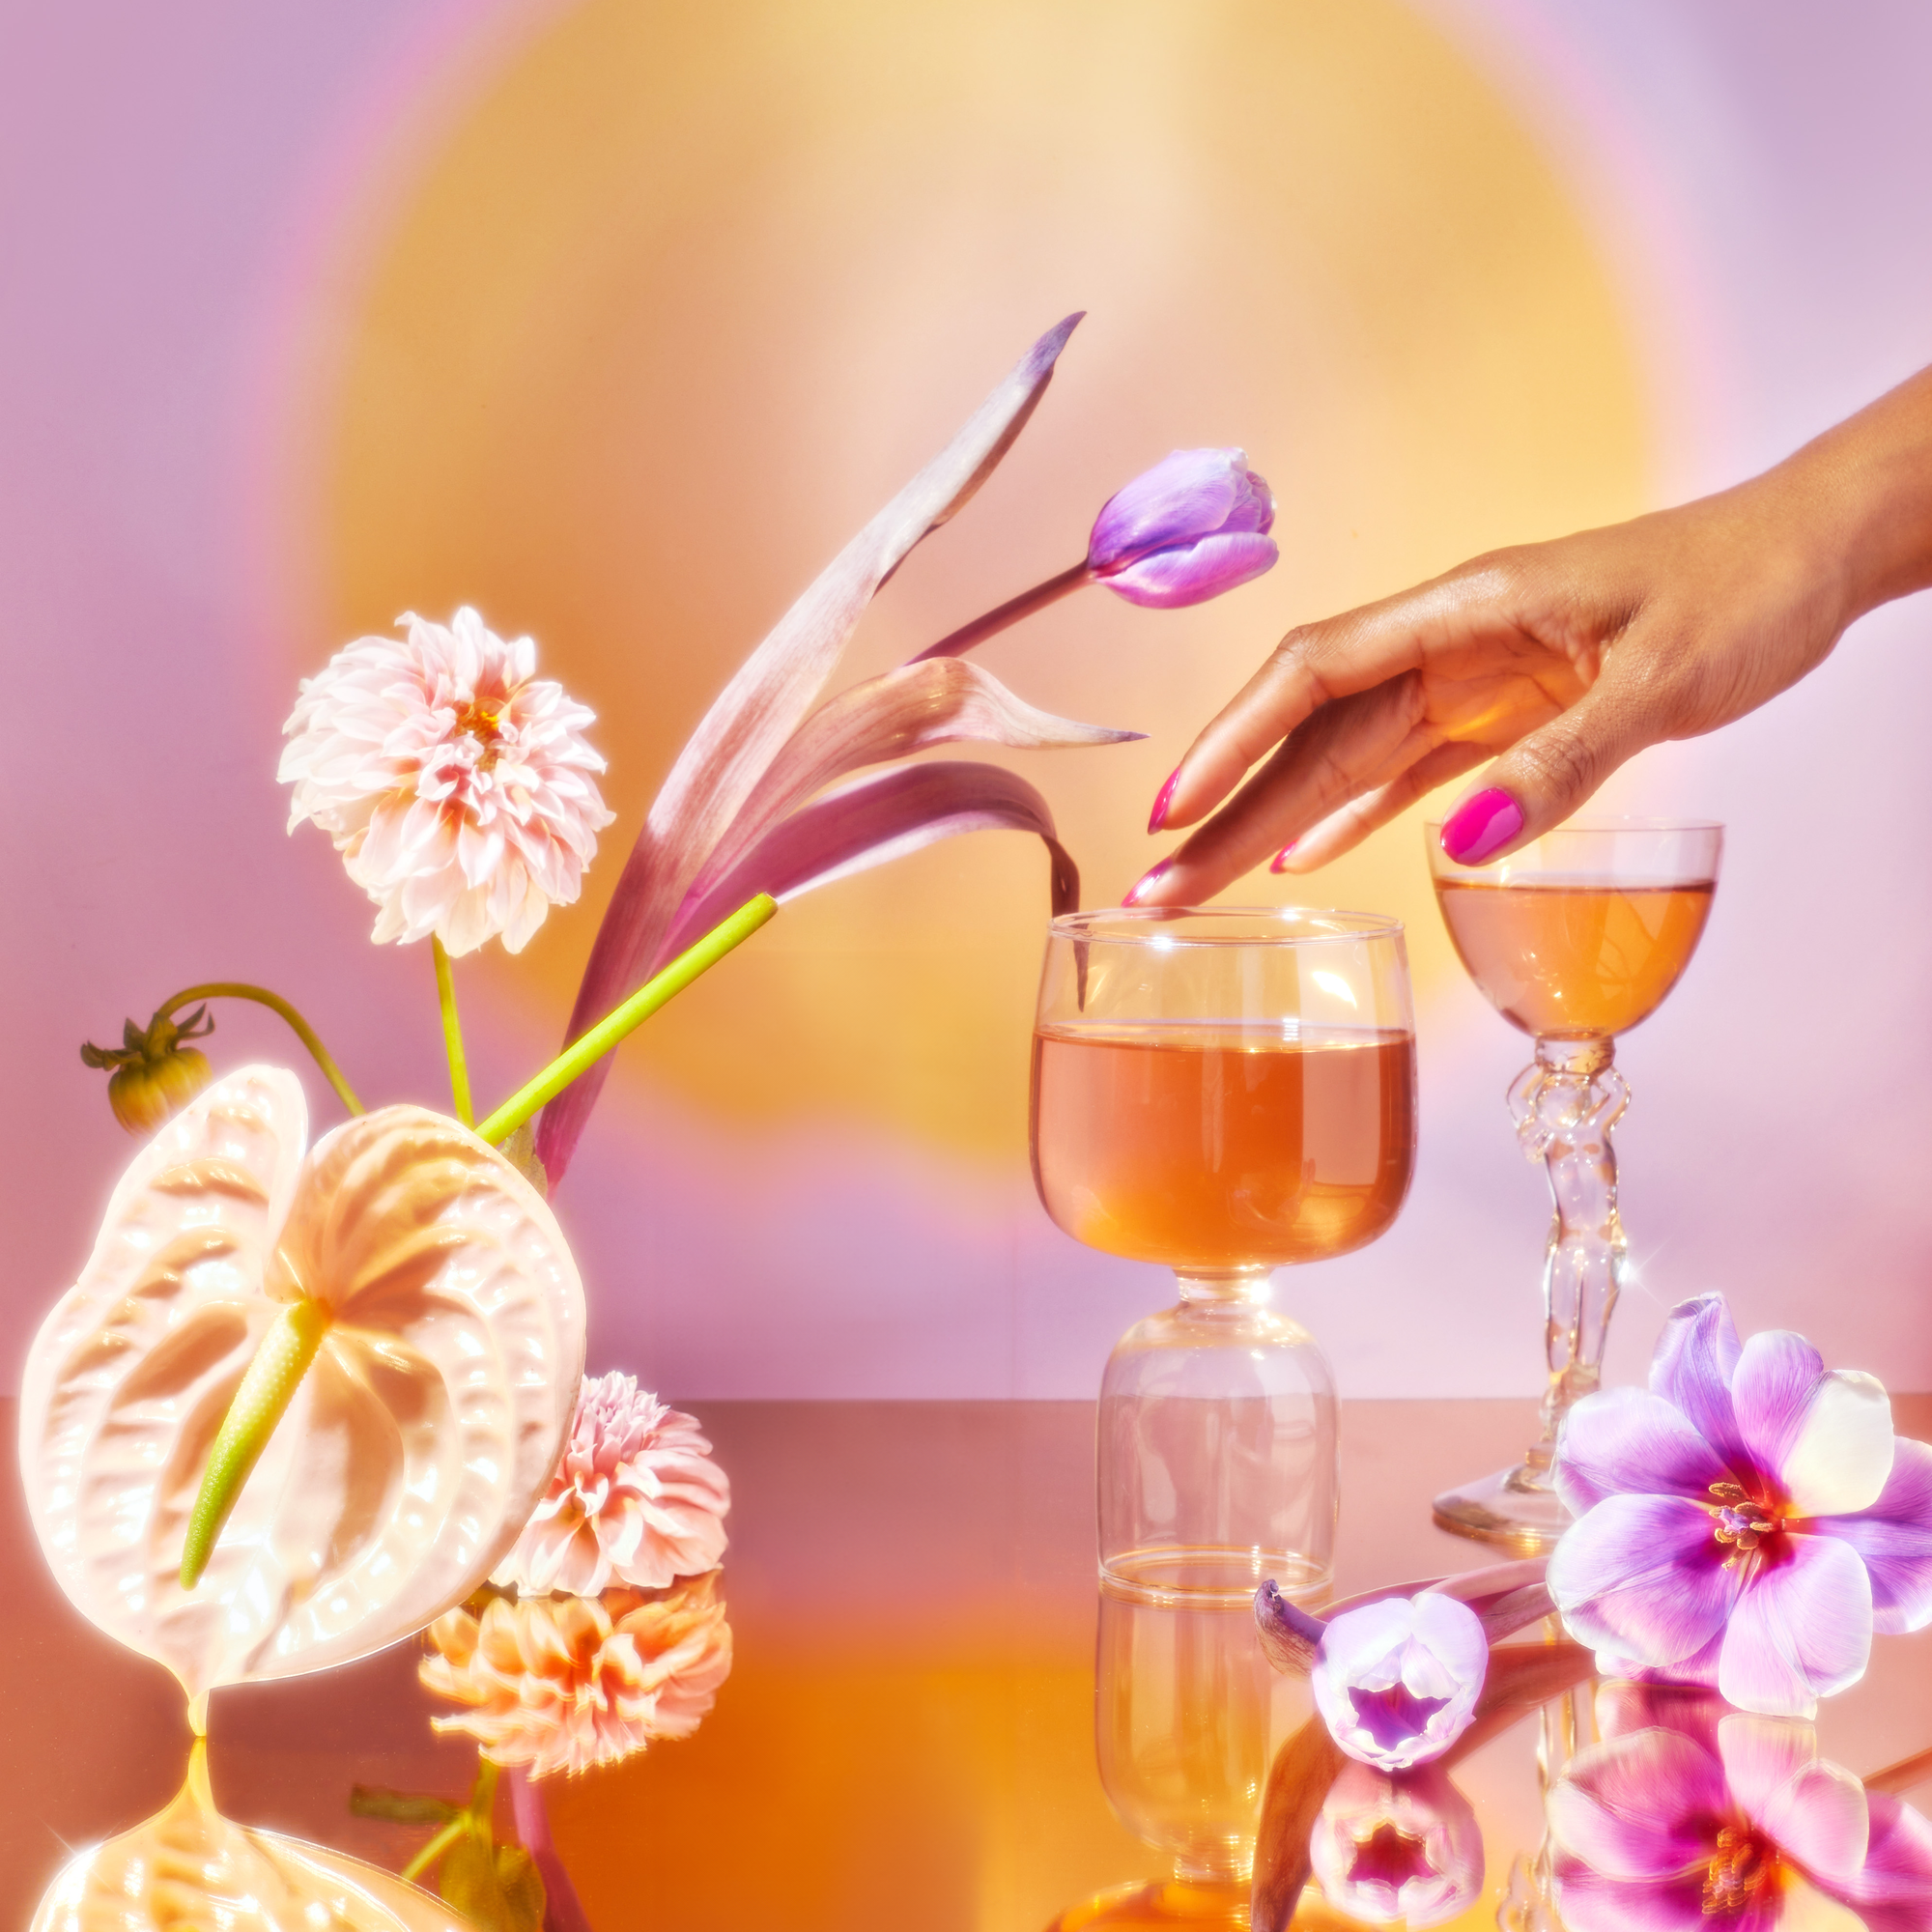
[
  {"x": 1691, "y": 1816},
  {"x": 190, "y": 1866},
  {"x": 300, "y": 1401},
  {"x": 1397, "y": 1846}
]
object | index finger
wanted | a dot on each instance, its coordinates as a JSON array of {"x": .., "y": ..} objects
[{"x": 1314, "y": 665}]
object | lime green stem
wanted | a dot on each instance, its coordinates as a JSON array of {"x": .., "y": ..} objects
[
  {"x": 267, "y": 1389},
  {"x": 236, "y": 989},
  {"x": 590, "y": 1047},
  {"x": 452, "y": 1034},
  {"x": 436, "y": 1847}
]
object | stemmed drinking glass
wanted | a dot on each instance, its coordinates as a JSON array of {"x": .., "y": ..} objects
[
  {"x": 1574, "y": 939},
  {"x": 1225, "y": 1091}
]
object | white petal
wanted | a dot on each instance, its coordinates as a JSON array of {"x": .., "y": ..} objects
[{"x": 1842, "y": 1456}]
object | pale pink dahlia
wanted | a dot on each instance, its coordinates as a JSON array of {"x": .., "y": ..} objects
[
  {"x": 637, "y": 1499},
  {"x": 570, "y": 1683},
  {"x": 454, "y": 781}
]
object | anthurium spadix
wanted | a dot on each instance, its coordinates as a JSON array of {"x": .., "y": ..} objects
[{"x": 448, "y": 1322}]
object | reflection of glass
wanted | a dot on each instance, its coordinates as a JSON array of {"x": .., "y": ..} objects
[
  {"x": 1576, "y": 939},
  {"x": 1223, "y": 1091}
]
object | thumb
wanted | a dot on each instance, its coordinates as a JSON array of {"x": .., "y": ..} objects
[{"x": 1540, "y": 781}]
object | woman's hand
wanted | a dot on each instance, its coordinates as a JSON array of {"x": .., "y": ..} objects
[{"x": 1559, "y": 660}]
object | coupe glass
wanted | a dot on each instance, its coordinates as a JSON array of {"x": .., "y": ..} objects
[
  {"x": 1576, "y": 939},
  {"x": 1225, "y": 1091}
]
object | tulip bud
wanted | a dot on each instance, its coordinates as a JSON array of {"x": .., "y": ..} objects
[
  {"x": 1398, "y": 1679},
  {"x": 1192, "y": 527},
  {"x": 155, "y": 1075}
]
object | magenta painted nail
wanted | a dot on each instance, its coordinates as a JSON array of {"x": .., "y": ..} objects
[
  {"x": 1157, "y": 817},
  {"x": 1279, "y": 863},
  {"x": 1147, "y": 882},
  {"x": 1481, "y": 825}
]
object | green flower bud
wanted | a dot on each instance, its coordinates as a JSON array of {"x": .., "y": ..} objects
[{"x": 154, "y": 1074}]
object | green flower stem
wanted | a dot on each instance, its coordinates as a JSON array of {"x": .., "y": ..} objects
[
  {"x": 452, "y": 1034},
  {"x": 266, "y": 1392},
  {"x": 236, "y": 989},
  {"x": 437, "y": 1846},
  {"x": 585, "y": 1051}
]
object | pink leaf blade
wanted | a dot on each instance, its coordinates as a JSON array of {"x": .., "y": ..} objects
[
  {"x": 884, "y": 817},
  {"x": 759, "y": 710},
  {"x": 919, "y": 705}
]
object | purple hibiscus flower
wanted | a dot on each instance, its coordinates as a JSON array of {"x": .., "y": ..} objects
[
  {"x": 1195, "y": 524},
  {"x": 1692, "y": 1817},
  {"x": 1750, "y": 1519}
]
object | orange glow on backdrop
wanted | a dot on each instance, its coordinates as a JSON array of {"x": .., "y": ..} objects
[{"x": 686, "y": 293}]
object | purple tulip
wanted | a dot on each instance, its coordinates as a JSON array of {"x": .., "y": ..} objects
[
  {"x": 1396, "y": 1847},
  {"x": 1751, "y": 1517},
  {"x": 1397, "y": 1681},
  {"x": 1690, "y": 1816},
  {"x": 1195, "y": 524}
]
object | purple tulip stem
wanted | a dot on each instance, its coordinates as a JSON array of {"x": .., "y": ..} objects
[
  {"x": 962, "y": 640},
  {"x": 1900, "y": 1777},
  {"x": 564, "y": 1912}
]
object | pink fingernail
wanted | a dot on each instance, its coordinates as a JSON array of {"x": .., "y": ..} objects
[
  {"x": 1147, "y": 882},
  {"x": 1157, "y": 817},
  {"x": 1481, "y": 825},
  {"x": 1279, "y": 863}
]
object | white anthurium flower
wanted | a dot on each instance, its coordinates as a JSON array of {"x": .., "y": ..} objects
[{"x": 419, "y": 1440}]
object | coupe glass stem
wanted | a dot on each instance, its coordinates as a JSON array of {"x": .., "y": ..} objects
[{"x": 1565, "y": 1104}]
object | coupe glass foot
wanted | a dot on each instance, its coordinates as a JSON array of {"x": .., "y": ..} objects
[{"x": 1516, "y": 1508}]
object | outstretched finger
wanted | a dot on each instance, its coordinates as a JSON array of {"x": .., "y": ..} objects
[
  {"x": 1538, "y": 781},
  {"x": 1342, "y": 831},
  {"x": 1315, "y": 666},
  {"x": 1347, "y": 748}
]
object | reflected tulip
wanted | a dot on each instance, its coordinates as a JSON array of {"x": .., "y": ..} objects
[
  {"x": 1397, "y": 1681},
  {"x": 1750, "y": 1509},
  {"x": 1404, "y": 1846},
  {"x": 1691, "y": 1816},
  {"x": 1195, "y": 524}
]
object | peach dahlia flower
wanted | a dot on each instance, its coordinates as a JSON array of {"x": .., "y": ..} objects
[
  {"x": 570, "y": 1682},
  {"x": 456, "y": 783},
  {"x": 637, "y": 1499}
]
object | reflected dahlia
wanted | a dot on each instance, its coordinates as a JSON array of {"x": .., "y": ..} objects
[
  {"x": 570, "y": 1683},
  {"x": 455, "y": 782},
  {"x": 637, "y": 1499}
]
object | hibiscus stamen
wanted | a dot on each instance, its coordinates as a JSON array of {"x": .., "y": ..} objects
[
  {"x": 1743, "y": 1864},
  {"x": 1739, "y": 1520}
]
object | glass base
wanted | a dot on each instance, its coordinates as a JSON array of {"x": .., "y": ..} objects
[
  {"x": 1209, "y": 1907},
  {"x": 1516, "y": 1508}
]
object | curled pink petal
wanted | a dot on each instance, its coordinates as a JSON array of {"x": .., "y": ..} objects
[
  {"x": 1801, "y": 1632},
  {"x": 1770, "y": 1389},
  {"x": 1171, "y": 579},
  {"x": 1892, "y": 1891},
  {"x": 1894, "y": 1538},
  {"x": 1815, "y": 1811},
  {"x": 1625, "y": 1440},
  {"x": 1643, "y": 1576}
]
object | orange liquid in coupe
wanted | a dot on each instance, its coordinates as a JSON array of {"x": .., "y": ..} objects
[
  {"x": 1570, "y": 961},
  {"x": 1218, "y": 1146}
]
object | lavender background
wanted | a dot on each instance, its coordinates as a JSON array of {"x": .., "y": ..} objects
[{"x": 1758, "y": 177}]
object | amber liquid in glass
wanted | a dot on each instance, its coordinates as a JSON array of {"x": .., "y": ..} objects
[
  {"x": 1568, "y": 960},
  {"x": 1213, "y": 1147}
]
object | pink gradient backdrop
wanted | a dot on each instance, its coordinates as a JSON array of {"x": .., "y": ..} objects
[{"x": 1757, "y": 177}]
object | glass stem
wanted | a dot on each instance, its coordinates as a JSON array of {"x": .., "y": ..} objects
[{"x": 1565, "y": 1104}]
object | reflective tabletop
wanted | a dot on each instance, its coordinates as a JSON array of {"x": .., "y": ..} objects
[{"x": 907, "y": 1737}]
